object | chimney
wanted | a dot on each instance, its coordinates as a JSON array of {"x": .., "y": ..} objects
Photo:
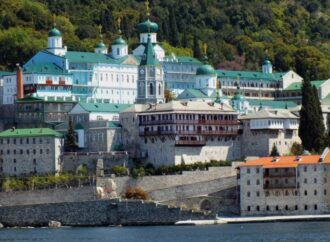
[{"x": 19, "y": 82}]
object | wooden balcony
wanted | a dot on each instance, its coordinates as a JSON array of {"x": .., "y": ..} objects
[
  {"x": 190, "y": 142},
  {"x": 187, "y": 122},
  {"x": 183, "y": 132}
]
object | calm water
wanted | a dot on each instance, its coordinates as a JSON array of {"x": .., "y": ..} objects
[{"x": 308, "y": 231}]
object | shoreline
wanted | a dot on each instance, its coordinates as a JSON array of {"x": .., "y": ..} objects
[{"x": 259, "y": 219}]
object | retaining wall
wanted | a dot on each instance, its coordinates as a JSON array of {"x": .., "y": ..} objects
[{"x": 95, "y": 213}]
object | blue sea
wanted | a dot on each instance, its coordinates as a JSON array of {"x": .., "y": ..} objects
[{"x": 293, "y": 231}]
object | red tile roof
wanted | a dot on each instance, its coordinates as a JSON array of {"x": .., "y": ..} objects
[{"x": 285, "y": 161}]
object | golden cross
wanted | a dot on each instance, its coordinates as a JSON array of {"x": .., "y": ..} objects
[
  {"x": 54, "y": 20},
  {"x": 119, "y": 22},
  {"x": 205, "y": 48},
  {"x": 147, "y": 7},
  {"x": 100, "y": 30}
]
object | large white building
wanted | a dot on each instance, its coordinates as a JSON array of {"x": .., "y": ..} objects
[
  {"x": 30, "y": 151},
  {"x": 181, "y": 132},
  {"x": 286, "y": 185}
]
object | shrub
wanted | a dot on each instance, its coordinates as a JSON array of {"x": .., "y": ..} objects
[
  {"x": 297, "y": 149},
  {"x": 136, "y": 193},
  {"x": 138, "y": 172},
  {"x": 119, "y": 170}
]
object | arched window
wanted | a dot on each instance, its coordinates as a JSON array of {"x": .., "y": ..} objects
[
  {"x": 159, "y": 89},
  {"x": 151, "y": 89},
  {"x": 118, "y": 52}
]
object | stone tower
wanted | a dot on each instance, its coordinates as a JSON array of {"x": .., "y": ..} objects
[{"x": 150, "y": 81}]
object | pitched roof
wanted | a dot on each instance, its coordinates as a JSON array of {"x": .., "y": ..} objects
[
  {"x": 297, "y": 85},
  {"x": 196, "y": 93},
  {"x": 278, "y": 113},
  {"x": 103, "y": 107},
  {"x": 31, "y": 99},
  {"x": 33, "y": 132},
  {"x": 272, "y": 103},
  {"x": 5, "y": 73},
  {"x": 44, "y": 68},
  {"x": 182, "y": 59},
  {"x": 251, "y": 75},
  {"x": 149, "y": 56},
  {"x": 283, "y": 161}
]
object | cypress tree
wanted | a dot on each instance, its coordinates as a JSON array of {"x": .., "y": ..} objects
[
  {"x": 174, "y": 37},
  {"x": 71, "y": 138},
  {"x": 311, "y": 128},
  {"x": 197, "y": 49},
  {"x": 274, "y": 151}
]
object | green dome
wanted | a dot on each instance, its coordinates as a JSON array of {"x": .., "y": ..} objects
[
  {"x": 100, "y": 45},
  {"x": 119, "y": 41},
  {"x": 147, "y": 27},
  {"x": 205, "y": 70},
  {"x": 54, "y": 33},
  {"x": 267, "y": 62},
  {"x": 238, "y": 97}
]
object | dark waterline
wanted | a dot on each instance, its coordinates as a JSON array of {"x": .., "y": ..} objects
[{"x": 295, "y": 231}]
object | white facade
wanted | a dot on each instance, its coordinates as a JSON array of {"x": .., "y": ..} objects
[{"x": 285, "y": 186}]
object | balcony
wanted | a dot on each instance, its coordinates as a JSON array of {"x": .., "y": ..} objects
[
  {"x": 280, "y": 174},
  {"x": 187, "y": 122},
  {"x": 190, "y": 142},
  {"x": 281, "y": 186},
  {"x": 182, "y": 132}
]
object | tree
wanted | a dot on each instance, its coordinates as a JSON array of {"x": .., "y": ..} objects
[
  {"x": 197, "y": 49},
  {"x": 311, "y": 128},
  {"x": 168, "y": 95},
  {"x": 274, "y": 151},
  {"x": 297, "y": 149},
  {"x": 175, "y": 38},
  {"x": 71, "y": 138}
]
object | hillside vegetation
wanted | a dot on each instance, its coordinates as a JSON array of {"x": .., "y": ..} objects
[{"x": 239, "y": 33}]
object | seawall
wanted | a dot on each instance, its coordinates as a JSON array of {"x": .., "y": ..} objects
[{"x": 96, "y": 213}]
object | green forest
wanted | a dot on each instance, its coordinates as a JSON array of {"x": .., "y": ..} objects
[{"x": 240, "y": 34}]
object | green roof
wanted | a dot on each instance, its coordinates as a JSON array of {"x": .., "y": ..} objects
[
  {"x": 103, "y": 107},
  {"x": 196, "y": 93},
  {"x": 100, "y": 45},
  {"x": 44, "y": 68},
  {"x": 272, "y": 103},
  {"x": 296, "y": 86},
  {"x": 88, "y": 57},
  {"x": 31, "y": 99},
  {"x": 206, "y": 70},
  {"x": 267, "y": 62},
  {"x": 149, "y": 56},
  {"x": 34, "y": 132},
  {"x": 251, "y": 75},
  {"x": 148, "y": 27},
  {"x": 54, "y": 33},
  {"x": 5, "y": 73},
  {"x": 114, "y": 124},
  {"x": 78, "y": 126},
  {"x": 182, "y": 59},
  {"x": 119, "y": 41}
]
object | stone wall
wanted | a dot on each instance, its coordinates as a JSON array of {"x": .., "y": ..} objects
[
  {"x": 163, "y": 151},
  {"x": 96, "y": 213},
  {"x": 225, "y": 202},
  {"x": 47, "y": 196},
  {"x": 153, "y": 183},
  {"x": 72, "y": 160}
]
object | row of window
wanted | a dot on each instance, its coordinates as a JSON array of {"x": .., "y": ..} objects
[
  {"x": 286, "y": 181},
  {"x": 285, "y": 208},
  {"x": 286, "y": 193},
  {"x": 21, "y": 152},
  {"x": 24, "y": 141},
  {"x": 305, "y": 169}
]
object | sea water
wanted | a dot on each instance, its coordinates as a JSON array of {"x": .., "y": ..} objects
[{"x": 288, "y": 232}]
